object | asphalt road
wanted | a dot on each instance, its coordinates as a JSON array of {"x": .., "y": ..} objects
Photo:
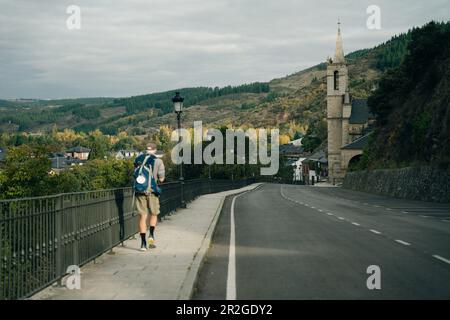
[{"x": 301, "y": 242}]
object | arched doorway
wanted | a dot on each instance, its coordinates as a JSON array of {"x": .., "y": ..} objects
[{"x": 353, "y": 163}]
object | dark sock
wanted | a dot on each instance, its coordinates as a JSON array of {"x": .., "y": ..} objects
[
  {"x": 152, "y": 232},
  {"x": 143, "y": 241}
]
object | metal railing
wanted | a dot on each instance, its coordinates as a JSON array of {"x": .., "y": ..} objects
[{"x": 41, "y": 237}]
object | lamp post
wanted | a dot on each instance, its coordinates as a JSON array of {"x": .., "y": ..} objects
[
  {"x": 209, "y": 138},
  {"x": 178, "y": 109}
]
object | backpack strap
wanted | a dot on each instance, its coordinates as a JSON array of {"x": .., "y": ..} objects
[{"x": 143, "y": 164}]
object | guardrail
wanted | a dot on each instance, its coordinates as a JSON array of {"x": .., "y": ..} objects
[{"x": 41, "y": 237}]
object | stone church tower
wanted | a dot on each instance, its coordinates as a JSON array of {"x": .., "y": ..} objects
[{"x": 338, "y": 110}]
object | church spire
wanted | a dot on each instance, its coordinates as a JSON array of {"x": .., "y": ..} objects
[{"x": 339, "y": 55}]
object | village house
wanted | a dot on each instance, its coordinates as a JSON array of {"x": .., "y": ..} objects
[
  {"x": 80, "y": 153},
  {"x": 315, "y": 167},
  {"x": 294, "y": 154},
  {"x": 60, "y": 162},
  {"x": 126, "y": 154}
]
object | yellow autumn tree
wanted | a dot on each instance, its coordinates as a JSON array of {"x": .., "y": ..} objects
[{"x": 284, "y": 139}]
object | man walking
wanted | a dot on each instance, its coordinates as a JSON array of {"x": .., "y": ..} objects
[{"x": 147, "y": 201}]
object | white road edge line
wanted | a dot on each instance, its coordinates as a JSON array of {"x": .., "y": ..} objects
[
  {"x": 403, "y": 242},
  {"x": 375, "y": 231},
  {"x": 231, "y": 276},
  {"x": 441, "y": 258}
]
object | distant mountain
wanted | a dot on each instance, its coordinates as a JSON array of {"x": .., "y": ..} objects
[{"x": 295, "y": 103}]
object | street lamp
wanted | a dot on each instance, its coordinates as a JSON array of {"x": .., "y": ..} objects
[
  {"x": 178, "y": 109},
  {"x": 209, "y": 138}
]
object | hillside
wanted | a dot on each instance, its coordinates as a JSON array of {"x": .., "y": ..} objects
[
  {"x": 294, "y": 103},
  {"x": 412, "y": 105}
]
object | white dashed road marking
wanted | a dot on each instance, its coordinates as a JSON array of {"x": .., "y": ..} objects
[
  {"x": 441, "y": 258},
  {"x": 403, "y": 242},
  {"x": 355, "y": 224},
  {"x": 330, "y": 214},
  {"x": 375, "y": 231},
  {"x": 341, "y": 218}
]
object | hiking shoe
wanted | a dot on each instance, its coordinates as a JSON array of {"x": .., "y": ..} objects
[{"x": 151, "y": 243}]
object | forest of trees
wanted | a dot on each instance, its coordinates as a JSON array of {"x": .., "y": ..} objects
[
  {"x": 162, "y": 101},
  {"x": 85, "y": 113},
  {"x": 412, "y": 105},
  {"x": 392, "y": 53}
]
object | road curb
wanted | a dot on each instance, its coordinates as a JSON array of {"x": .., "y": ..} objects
[{"x": 187, "y": 288}]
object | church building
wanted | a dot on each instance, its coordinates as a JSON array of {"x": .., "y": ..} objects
[{"x": 348, "y": 118}]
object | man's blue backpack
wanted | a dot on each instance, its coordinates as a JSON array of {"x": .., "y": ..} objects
[{"x": 144, "y": 180}]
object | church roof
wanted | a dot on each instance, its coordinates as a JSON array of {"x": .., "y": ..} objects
[
  {"x": 358, "y": 144},
  {"x": 287, "y": 149},
  {"x": 319, "y": 156},
  {"x": 360, "y": 112}
]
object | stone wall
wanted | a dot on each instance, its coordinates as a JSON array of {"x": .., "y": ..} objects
[{"x": 424, "y": 183}]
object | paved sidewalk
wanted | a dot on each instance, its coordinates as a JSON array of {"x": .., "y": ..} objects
[
  {"x": 325, "y": 184},
  {"x": 167, "y": 272}
]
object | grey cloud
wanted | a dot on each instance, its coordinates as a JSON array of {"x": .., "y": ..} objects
[{"x": 140, "y": 46}]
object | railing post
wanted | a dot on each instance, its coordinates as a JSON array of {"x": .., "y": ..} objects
[
  {"x": 58, "y": 236},
  {"x": 183, "y": 203},
  {"x": 74, "y": 231}
]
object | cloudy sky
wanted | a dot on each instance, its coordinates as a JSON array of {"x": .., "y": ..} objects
[{"x": 140, "y": 46}]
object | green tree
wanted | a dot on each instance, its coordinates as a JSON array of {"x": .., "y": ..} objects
[{"x": 27, "y": 171}]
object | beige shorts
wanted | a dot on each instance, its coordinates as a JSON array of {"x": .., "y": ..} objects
[{"x": 146, "y": 204}]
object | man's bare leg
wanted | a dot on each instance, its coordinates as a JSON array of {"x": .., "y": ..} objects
[
  {"x": 153, "y": 220},
  {"x": 143, "y": 224}
]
